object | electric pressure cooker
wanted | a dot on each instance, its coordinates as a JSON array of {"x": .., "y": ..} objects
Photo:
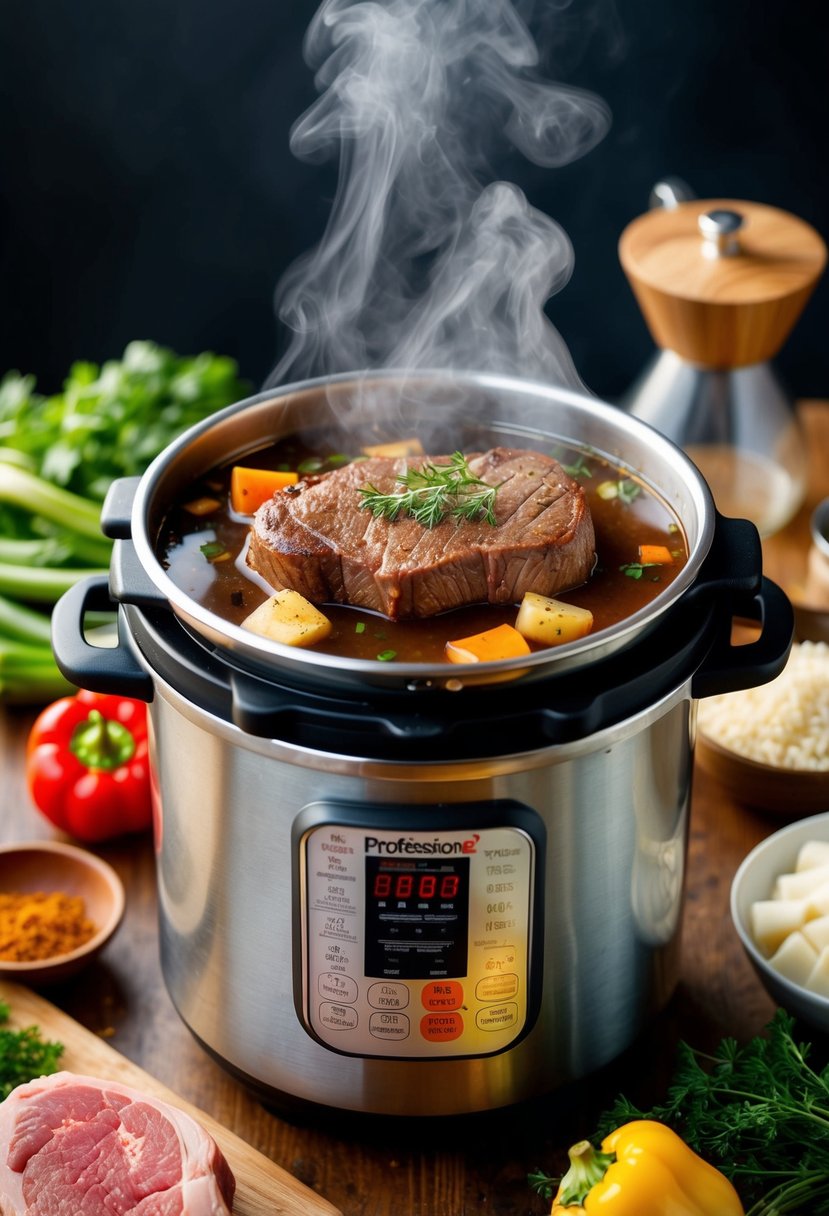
[{"x": 389, "y": 888}]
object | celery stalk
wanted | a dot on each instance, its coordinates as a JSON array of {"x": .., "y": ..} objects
[
  {"x": 55, "y": 550},
  {"x": 41, "y": 584},
  {"x": 32, "y": 493},
  {"x": 23, "y": 624},
  {"x": 29, "y": 674}
]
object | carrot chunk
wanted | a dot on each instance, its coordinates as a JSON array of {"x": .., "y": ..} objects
[
  {"x": 249, "y": 488},
  {"x": 655, "y": 555},
  {"x": 503, "y": 642}
]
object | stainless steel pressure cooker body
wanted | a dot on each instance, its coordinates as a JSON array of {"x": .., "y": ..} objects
[{"x": 390, "y": 894}]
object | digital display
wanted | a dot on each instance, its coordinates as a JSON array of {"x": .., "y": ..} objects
[
  {"x": 416, "y": 917},
  {"x": 415, "y": 886}
]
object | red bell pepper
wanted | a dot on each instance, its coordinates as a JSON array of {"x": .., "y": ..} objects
[{"x": 87, "y": 767}]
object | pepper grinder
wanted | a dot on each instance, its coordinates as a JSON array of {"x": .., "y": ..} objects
[{"x": 721, "y": 283}]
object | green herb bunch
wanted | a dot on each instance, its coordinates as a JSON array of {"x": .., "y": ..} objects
[
  {"x": 758, "y": 1112},
  {"x": 58, "y": 456},
  {"x": 112, "y": 420},
  {"x": 24, "y": 1055},
  {"x": 434, "y": 491}
]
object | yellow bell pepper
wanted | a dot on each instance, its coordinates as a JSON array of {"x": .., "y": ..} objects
[{"x": 643, "y": 1169}]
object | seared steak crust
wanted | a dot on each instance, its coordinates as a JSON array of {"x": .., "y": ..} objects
[{"x": 317, "y": 540}]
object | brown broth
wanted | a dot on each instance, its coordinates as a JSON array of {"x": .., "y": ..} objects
[{"x": 224, "y": 587}]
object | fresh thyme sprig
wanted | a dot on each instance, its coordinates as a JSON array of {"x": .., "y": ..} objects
[
  {"x": 758, "y": 1112},
  {"x": 434, "y": 491}
]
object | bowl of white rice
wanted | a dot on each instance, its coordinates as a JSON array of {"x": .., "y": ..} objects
[{"x": 769, "y": 745}]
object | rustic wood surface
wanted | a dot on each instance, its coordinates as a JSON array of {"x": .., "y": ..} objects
[{"x": 368, "y": 1168}]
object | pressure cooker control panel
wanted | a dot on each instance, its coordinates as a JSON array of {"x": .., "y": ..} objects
[{"x": 417, "y": 927}]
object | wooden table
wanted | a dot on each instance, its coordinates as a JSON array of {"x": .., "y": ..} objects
[{"x": 479, "y": 1166}]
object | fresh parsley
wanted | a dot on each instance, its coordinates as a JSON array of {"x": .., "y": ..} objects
[
  {"x": 434, "y": 491},
  {"x": 579, "y": 469},
  {"x": 759, "y": 1112},
  {"x": 58, "y": 456},
  {"x": 624, "y": 489},
  {"x": 637, "y": 569},
  {"x": 110, "y": 420},
  {"x": 24, "y": 1055},
  {"x": 213, "y": 550}
]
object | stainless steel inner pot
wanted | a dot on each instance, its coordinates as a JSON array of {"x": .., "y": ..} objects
[
  {"x": 379, "y": 894},
  {"x": 441, "y": 408}
]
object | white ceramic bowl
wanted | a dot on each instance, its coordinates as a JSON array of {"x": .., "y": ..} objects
[{"x": 776, "y": 855}]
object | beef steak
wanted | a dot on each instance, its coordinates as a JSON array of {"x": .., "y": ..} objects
[
  {"x": 318, "y": 541},
  {"x": 80, "y": 1146}
]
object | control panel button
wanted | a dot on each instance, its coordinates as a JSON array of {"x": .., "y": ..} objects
[
  {"x": 335, "y": 987},
  {"x": 497, "y": 1017},
  {"x": 443, "y": 994},
  {"x": 497, "y": 988},
  {"x": 338, "y": 1017},
  {"x": 388, "y": 996},
  {"x": 441, "y": 1027},
  {"x": 389, "y": 1026}
]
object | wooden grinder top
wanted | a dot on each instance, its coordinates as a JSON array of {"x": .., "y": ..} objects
[{"x": 721, "y": 281}]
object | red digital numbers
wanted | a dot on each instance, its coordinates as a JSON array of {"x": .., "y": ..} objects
[
  {"x": 449, "y": 886},
  {"x": 388, "y": 885}
]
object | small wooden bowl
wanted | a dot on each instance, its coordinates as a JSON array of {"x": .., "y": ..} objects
[
  {"x": 53, "y": 866},
  {"x": 784, "y": 791}
]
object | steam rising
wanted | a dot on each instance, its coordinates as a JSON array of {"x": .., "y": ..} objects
[{"x": 425, "y": 261}]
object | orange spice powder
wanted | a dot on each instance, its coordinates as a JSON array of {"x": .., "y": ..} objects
[{"x": 40, "y": 925}]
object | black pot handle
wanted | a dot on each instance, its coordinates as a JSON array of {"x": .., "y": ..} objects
[
  {"x": 728, "y": 668},
  {"x": 113, "y": 669},
  {"x": 733, "y": 563}
]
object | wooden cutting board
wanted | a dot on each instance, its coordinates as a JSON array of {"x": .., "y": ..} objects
[{"x": 262, "y": 1187}]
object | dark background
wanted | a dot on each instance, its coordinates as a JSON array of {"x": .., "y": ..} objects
[{"x": 148, "y": 190}]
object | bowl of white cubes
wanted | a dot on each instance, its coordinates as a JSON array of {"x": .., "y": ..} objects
[{"x": 780, "y": 909}]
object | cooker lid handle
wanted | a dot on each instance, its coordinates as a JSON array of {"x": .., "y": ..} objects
[
  {"x": 733, "y": 563},
  {"x": 270, "y": 712},
  {"x": 116, "y": 512},
  {"x": 729, "y": 668},
  {"x": 112, "y": 669}
]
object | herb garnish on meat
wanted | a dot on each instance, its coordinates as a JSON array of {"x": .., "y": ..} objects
[
  {"x": 24, "y": 1055},
  {"x": 434, "y": 491}
]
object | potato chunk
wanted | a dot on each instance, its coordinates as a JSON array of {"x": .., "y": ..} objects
[
  {"x": 817, "y": 932},
  {"x": 772, "y": 920},
  {"x": 289, "y": 618},
  {"x": 795, "y": 958},
  {"x": 812, "y": 854},
  {"x": 818, "y": 978},
  {"x": 401, "y": 447},
  {"x": 550, "y": 622},
  {"x": 800, "y": 884}
]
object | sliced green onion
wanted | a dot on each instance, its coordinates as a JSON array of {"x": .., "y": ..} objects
[
  {"x": 579, "y": 469},
  {"x": 360, "y": 627},
  {"x": 385, "y": 655},
  {"x": 628, "y": 490}
]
